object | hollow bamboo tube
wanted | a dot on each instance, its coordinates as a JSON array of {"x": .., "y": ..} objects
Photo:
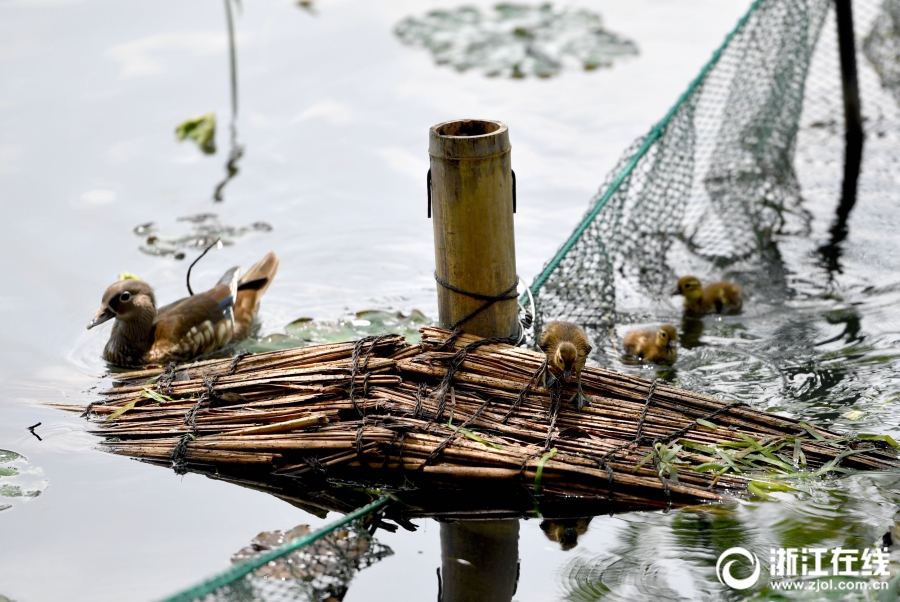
[{"x": 474, "y": 247}]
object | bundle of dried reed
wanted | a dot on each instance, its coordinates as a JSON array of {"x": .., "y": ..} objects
[{"x": 456, "y": 409}]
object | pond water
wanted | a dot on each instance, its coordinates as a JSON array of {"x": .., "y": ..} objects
[{"x": 333, "y": 119}]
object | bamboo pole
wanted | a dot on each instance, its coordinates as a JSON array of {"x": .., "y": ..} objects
[{"x": 474, "y": 246}]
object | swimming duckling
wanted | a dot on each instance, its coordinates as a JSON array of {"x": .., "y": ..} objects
[
  {"x": 657, "y": 346},
  {"x": 191, "y": 327},
  {"x": 720, "y": 297},
  {"x": 567, "y": 348}
]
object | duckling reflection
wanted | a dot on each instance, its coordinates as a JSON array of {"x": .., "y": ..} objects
[
  {"x": 718, "y": 297},
  {"x": 691, "y": 331},
  {"x": 656, "y": 346},
  {"x": 567, "y": 348},
  {"x": 565, "y": 531}
]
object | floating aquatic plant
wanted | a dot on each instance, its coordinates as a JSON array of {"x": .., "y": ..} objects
[
  {"x": 200, "y": 129},
  {"x": 17, "y": 479},
  {"x": 516, "y": 40},
  {"x": 305, "y": 331},
  {"x": 205, "y": 229}
]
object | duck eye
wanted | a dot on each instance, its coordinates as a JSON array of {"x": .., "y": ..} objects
[{"x": 125, "y": 297}]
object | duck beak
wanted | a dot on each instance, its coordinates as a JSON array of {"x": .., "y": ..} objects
[
  {"x": 102, "y": 316},
  {"x": 567, "y": 376},
  {"x": 674, "y": 292},
  {"x": 673, "y": 344}
]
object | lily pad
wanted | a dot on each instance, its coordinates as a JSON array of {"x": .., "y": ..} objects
[
  {"x": 9, "y": 456},
  {"x": 19, "y": 481},
  {"x": 307, "y": 331},
  {"x": 516, "y": 40},
  {"x": 200, "y": 129},
  {"x": 363, "y": 324}
]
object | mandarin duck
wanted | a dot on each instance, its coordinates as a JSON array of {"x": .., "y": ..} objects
[
  {"x": 719, "y": 297},
  {"x": 567, "y": 349},
  {"x": 656, "y": 346},
  {"x": 189, "y": 328}
]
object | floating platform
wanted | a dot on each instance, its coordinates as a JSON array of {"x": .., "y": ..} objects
[{"x": 466, "y": 415}]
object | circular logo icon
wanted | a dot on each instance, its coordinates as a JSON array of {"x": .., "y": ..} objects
[{"x": 723, "y": 572}]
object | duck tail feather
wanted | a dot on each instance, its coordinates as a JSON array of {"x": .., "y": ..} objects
[{"x": 249, "y": 291}]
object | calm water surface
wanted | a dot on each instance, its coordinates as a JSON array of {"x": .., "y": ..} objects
[{"x": 333, "y": 117}]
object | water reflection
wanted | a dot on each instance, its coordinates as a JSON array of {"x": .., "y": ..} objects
[
  {"x": 203, "y": 230},
  {"x": 319, "y": 571},
  {"x": 236, "y": 150},
  {"x": 674, "y": 555},
  {"x": 516, "y": 40}
]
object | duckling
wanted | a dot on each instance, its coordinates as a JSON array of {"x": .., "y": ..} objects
[
  {"x": 191, "y": 327},
  {"x": 657, "y": 346},
  {"x": 567, "y": 348},
  {"x": 720, "y": 297}
]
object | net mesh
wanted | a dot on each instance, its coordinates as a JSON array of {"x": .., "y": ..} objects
[
  {"x": 298, "y": 565},
  {"x": 708, "y": 189}
]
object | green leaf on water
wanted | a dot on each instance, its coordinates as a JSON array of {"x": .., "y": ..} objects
[
  {"x": 707, "y": 424},
  {"x": 201, "y": 129},
  {"x": 8, "y": 471},
  {"x": 757, "y": 491},
  {"x": 772, "y": 486},
  {"x": 128, "y": 276},
  {"x": 8, "y": 456}
]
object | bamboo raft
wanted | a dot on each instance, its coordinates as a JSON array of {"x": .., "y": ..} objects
[{"x": 459, "y": 412}]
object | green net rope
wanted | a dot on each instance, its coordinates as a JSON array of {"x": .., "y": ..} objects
[
  {"x": 250, "y": 581},
  {"x": 707, "y": 187}
]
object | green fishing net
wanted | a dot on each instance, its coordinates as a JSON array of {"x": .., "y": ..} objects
[{"x": 716, "y": 181}]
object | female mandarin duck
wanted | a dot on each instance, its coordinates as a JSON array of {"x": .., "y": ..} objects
[
  {"x": 720, "y": 297},
  {"x": 567, "y": 349},
  {"x": 191, "y": 327},
  {"x": 657, "y": 346}
]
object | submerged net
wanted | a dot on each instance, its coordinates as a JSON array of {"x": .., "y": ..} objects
[{"x": 708, "y": 189}]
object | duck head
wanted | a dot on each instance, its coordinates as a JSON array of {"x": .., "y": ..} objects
[
  {"x": 667, "y": 337},
  {"x": 690, "y": 288},
  {"x": 127, "y": 300},
  {"x": 564, "y": 359}
]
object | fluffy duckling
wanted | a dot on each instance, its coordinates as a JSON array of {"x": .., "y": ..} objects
[
  {"x": 567, "y": 349},
  {"x": 657, "y": 346},
  {"x": 720, "y": 297},
  {"x": 191, "y": 327}
]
